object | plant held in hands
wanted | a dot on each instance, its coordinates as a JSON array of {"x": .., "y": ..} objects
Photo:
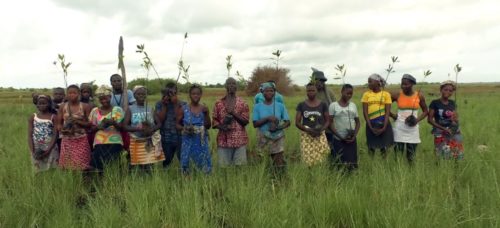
[
  {"x": 64, "y": 66},
  {"x": 411, "y": 120}
]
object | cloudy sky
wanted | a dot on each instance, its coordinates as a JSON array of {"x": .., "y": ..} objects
[{"x": 429, "y": 34}]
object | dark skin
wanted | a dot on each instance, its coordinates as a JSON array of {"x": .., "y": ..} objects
[
  {"x": 269, "y": 95},
  {"x": 105, "y": 109},
  {"x": 312, "y": 101},
  {"x": 73, "y": 98},
  {"x": 43, "y": 113},
  {"x": 407, "y": 88},
  {"x": 375, "y": 87},
  {"x": 169, "y": 97},
  {"x": 320, "y": 85},
  {"x": 446, "y": 93},
  {"x": 230, "y": 103},
  {"x": 344, "y": 102},
  {"x": 58, "y": 96},
  {"x": 86, "y": 92},
  {"x": 140, "y": 96},
  {"x": 196, "y": 108},
  {"x": 116, "y": 84}
]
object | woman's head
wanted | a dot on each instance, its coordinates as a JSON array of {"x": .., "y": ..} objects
[
  {"x": 58, "y": 94},
  {"x": 140, "y": 93},
  {"x": 44, "y": 103},
  {"x": 86, "y": 91},
  {"x": 195, "y": 93},
  {"x": 268, "y": 90},
  {"x": 116, "y": 82},
  {"x": 447, "y": 88},
  {"x": 311, "y": 90},
  {"x": 347, "y": 92},
  {"x": 73, "y": 93},
  {"x": 375, "y": 81},
  {"x": 103, "y": 93},
  {"x": 407, "y": 83}
]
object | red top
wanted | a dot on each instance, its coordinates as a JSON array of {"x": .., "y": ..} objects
[{"x": 237, "y": 135}]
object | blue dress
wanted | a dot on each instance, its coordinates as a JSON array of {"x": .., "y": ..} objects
[{"x": 195, "y": 146}]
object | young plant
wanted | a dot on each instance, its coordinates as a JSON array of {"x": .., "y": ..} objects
[
  {"x": 457, "y": 70},
  {"x": 412, "y": 120},
  {"x": 229, "y": 65},
  {"x": 184, "y": 70},
  {"x": 180, "y": 64},
  {"x": 389, "y": 70},
  {"x": 64, "y": 66},
  {"x": 147, "y": 63},
  {"x": 241, "y": 79},
  {"x": 121, "y": 66},
  {"x": 340, "y": 73},
  {"x": 277, "y": 58}
]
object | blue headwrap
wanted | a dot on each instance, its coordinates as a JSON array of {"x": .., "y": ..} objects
[{"x": 266, "y": 85}]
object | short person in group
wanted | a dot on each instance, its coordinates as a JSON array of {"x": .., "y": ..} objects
[
  {"x": 345, "y": 127},
  {"x": 259, "y": 97},
  {"x": 143, "y": 124},
  {"x": 58, "y": 98},
  {"x": 376, "y": 111},
  {"x": 194, "y": 121},
  {"x": 42, "y": 135},
  {"x": 86, "y": 95},
  {"x": 443, "y": 117},
  {"x": 72, "y": 120},
  {"x": 324, "y": 95},
  {"x": 171, "y": 138},
  {"x": 231, "y": 115},
  {"x": 106, "y": 123},
  {"x": 406, "y": 129},
  {"x": 271, "y": 118},
  {"x": 312, "y": 120}
]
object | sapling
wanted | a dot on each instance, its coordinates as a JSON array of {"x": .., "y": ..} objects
[
  {"x": 411, "y": 120},
  {"x": 457, "y": 70},
  {"x": 180, "y": 64},
  {"x": 147, "y": 63},
  {"x": 277, "y": 58},
  {"x": 64, "y": 66},
  {"x": 389, "y": 70},
  {"x": 340, "y": 73},
  {"x": 229, "y": 65}
]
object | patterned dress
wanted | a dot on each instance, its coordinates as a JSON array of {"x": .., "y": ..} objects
[
  {"x": 144, "y": 150},
  {"x": 75, "y": 148},
  {"x": 314, "y": 149},
  {"x": 43, "y": 134},
  {"x": 448, "y": 146},
  {"x": 195, "y": 145}
]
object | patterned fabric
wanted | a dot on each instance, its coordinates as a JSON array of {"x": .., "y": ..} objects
[
  {"x": 77, "y": 131},
  {"x": 314, "y": 149},
  {"x": 407, "y": 106},
  {"x": 266, "y": 145},
  {"x": 146, "y": 150},
  {"x": 312, "y": 116},
  {"x": 110, "y": 135},
  {"x": 376, "y": 103},
  {"x": 195, "y": 146},
  {"x": 75, "y": 153},
  {"x": 448, "y": 146},
  {"x": 43, "y": 133},
  {"x": 168, "y": 131},
  {"x": 237, "y": 136},
  {"x": 139, "y": 116}
]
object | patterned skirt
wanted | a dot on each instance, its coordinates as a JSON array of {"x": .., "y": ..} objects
[
  {"x": 48, "y": 162},
  {"x": 145, "y": 151},
  {"x": 448, "y": 146},
  {"x": 314, "y": 149},
  {"x": 75, "y": 153}
]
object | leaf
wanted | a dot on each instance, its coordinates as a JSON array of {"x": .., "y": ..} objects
[
  {"x": 337, "y": 78},
  {"x": 67, "y": 65}
]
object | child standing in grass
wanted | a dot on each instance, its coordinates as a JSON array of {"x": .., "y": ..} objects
[
  {"x": 72, "y": 120},
  {"x": 194, "y": 121},
  {"x": 345, "y": 129},
  {"x": 443, "y": 117},
  {"x": 312, "y": 119},
  {"x": 376, "y": 110},
  {"x": 42, "y": 135}
]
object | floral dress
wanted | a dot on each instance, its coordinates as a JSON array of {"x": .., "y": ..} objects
[
  {"x": 43, "y": 134},
  {"x": 195, "y": 144}
]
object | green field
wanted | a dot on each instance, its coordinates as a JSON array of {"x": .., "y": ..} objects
[{"x": 382, "y": 193}]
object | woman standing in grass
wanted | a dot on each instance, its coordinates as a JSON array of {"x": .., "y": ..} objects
[
  {"x": 194, "y": 121},
  {"x": 376, "y": 110},
  {"x": 345, "y": 128},
  {"x": 406, "y": 129},
  {"x": 106, "y": 123},
  {"x": 443, "y": 117},
  {"x": 312, "y": 119},
  {"x": 42, "y": 135},
  {"x": 72, "y": 119},
  {"x": 143, "y": 125}
]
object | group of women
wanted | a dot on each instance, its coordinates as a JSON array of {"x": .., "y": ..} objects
[{"x": 71, "y": 132}]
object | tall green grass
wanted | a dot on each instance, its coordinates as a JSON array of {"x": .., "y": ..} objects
[{"x": 381, "y": 193}]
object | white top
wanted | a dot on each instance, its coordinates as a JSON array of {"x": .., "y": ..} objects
[
  {"x": 343, "y": 117},
  {"x": 404, "y": 133}
]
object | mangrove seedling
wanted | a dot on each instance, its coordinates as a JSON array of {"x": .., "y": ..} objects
[
  {"x": 229, "y": 65},
  {"x": 411, "y": 120},
  {"x": 64, "y": 66},
  {"x": 180, "y": 64}
]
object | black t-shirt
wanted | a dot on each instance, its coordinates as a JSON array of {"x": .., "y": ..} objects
[
  {"x": 312, "y": 116},
  {"x": 443, "y": 113}
]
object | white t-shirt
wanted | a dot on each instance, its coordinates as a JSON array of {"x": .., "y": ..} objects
[{"x": 343, "y": 117}]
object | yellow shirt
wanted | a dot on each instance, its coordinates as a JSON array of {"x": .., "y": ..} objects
[{"x": 376, "y": 103}]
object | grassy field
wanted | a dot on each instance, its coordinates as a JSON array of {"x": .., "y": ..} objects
[{"x": 382, "y": 193}]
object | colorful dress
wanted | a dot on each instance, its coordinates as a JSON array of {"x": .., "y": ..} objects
[
  {"x": 272, "y": 143},
  {"x": 407, "y": 106},
  {"x": 314, "y": 149},
  {"x": 344, "y": 123},
  {"x": 75, "y": 149},
  {"x": 376, "y": 114},
  {"x": 195, "y": 144},
  {"x": 43, "y": 134},
  {"x": 447, "y": 146},
  {"x": 144, "y": 150},
  {"x": 108, "y": 142}
]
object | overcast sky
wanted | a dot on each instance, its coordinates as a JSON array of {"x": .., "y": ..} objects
[{"x": 363, "y": 35}]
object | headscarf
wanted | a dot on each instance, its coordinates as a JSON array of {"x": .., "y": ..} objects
[
  {"x": 449, "y": 82},
  {"x": 410, "y": 78},
  {"x": 378, "y": 78},
  {"x": 266, "y": 85},
  {"x": 138, "y": 87},
  {"x": 103, "y": 90}
]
